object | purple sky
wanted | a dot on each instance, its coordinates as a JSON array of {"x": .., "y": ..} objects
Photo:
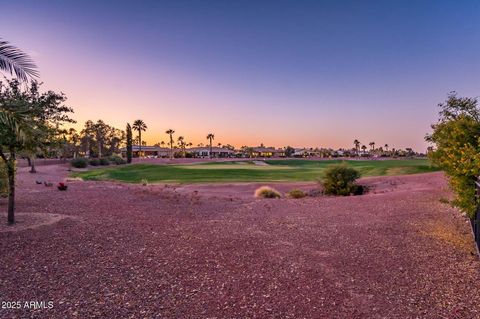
[{"x": 300, "y": 73}]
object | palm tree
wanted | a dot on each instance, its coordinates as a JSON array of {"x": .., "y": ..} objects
[
  {"x": 19, "y": 64},
  {"x": 372, "y": 145},
  {"x": 364, "y": 148},
  {"x": 386, "y": 147},
  {"x": 139, "y": 126},
  {"x": 181, "y": 144},
  {"x": 170, "y": 133},
  {"x": 210, "y": 137},
  {"x": 357, "y": 145},
  {"x": 16, "y": 62}
]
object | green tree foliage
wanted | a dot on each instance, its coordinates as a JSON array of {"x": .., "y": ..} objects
[
  {"x": 100, "y": 139},
  {"x": 289, "y": 151},
  {"x": 339, "y": 179},
  {"x": 457, "y": 148},
  {"x": 129, "y": 143},
  {"x": 28, "y": 120}
]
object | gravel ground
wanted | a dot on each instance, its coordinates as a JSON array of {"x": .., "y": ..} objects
[{"x": 131, "y": 251}]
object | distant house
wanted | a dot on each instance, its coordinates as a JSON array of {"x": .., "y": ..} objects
[
  {"x": 147, "y": 151},
  {"x": 267, "y": 152},
  {"x": 304, "y": 152},
  {"x": 204, "y": 152}
]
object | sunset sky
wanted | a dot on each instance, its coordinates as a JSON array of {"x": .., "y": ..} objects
[{"x": 300, "y": 73}]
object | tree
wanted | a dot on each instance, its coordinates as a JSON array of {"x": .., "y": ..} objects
[
  {"x": 210, "y": 137},
  {"x": 372, "y": 145},
  {"x": 129, "y": 144},
  {"x": 100, "y": 139},
  {"x": 72, "y": 143},
  {"x": 357, "y": 146},
  {"x": 28, "y": 118},
  {"x": 456, "y": 136},
  {"x": 364, "y": 148},
  {"x": 182, "y": 144},
  {"x": 170, "y": 134},
  {"x": 386, "y": 147},
  {"x": 101, "y": 130},
  {"x": 289, "y": 151},
  {"x": 139, "y": 126},
  {"x": 247, "y": 150},
  {"x": 16, "y": 62}
]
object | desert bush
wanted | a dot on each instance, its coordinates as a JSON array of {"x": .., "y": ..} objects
[
  {"x": 456, "y": 137},
  {"x": 339, "y": 179},
  {"x": 267, "y": 192},
  {"x": 117, "y": 160},
  {"x": 296, "y": 193},
  {"x": 94, "y": 162},
  {"x": 104, "y": 161},
  {"x": 79, "y": 162},
  {"x": 3, "y": 180}
]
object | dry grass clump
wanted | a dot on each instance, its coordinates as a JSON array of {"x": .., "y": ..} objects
[
  {"x": 296, "y": 193},
  {"x": 267, "y": 192}
]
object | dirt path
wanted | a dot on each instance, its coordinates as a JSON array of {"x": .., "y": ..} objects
[{"x": 164, "y": 252}]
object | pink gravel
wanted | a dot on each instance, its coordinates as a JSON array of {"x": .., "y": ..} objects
[{"x": 163, "y": 252}]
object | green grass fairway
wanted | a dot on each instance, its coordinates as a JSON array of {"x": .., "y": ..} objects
[{"x": 276, "y": 170}]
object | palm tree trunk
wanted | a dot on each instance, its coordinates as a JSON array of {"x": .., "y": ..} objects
[
  {"x": 210, "y": 148},
  {"x": 140, "y": 143},
  {"x": 11, "y": 188}
]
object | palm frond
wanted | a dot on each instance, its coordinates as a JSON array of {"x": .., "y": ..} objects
[
  {"x": 10, "y": 121},
  {"x": 16, "y": 62}
]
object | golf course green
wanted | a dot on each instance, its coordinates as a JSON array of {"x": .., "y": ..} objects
[{"x": 250, "y": 171}]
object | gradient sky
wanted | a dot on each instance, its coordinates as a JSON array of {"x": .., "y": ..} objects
[{"x": 300, "y": 73}]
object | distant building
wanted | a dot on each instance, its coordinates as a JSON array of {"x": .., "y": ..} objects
[
  {"x": 304, "y": 152},
  {"x": 147, "y": 151},
  {"x": 267, "y": 152},
  {"x": 204, "y": 152}
]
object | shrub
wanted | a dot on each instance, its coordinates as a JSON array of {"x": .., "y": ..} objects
[
  {"x": 267, "y": 192},
  {"x": 457, "y": 148},
  {"x": 117, "y": 160},
  {"x": 79, "y": 162},
  {"x": 94, "y": 162},
  {"x": 296, "y": 193},
  {"x": 3, "y": 180},
  {"x": 104, "y": 161},
  {"x": 340, "y": 179}
]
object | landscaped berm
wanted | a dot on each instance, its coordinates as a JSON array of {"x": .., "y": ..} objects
[{"x": 108, "y": 249}]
